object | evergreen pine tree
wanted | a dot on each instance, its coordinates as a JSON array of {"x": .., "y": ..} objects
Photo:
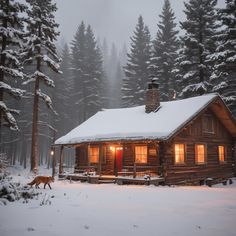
[
  {"x": 136, "y": 69},
  {"x": 11, "y": 38},
  {"x": 164, "y": 53},
  {"x": 223, "y": 77},
  {"x": 198, "y": 42},
  {"x": 77, "y": 70},
  {"x": 87, "y": 72},
  {"x": 93, "y": 74},
  {"x": 105, "y": 82},
  {"x": 40, "y": 49},
  {"x": 63, "y": 95}
]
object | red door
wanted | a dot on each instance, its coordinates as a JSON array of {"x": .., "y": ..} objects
[{"x": 119, "y": 159}]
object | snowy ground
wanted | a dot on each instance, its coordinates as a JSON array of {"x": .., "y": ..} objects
[{"x": 84, "y": 209}]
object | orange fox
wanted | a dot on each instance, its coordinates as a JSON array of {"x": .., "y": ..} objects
[{"x": 42, "y": 179}]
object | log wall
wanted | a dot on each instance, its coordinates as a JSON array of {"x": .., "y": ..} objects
[
  {"x": 108, "y": 163},
  {"x": 190, "y": 171}
]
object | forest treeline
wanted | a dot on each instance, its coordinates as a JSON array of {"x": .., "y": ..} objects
[{"x": 47, "y": 91}]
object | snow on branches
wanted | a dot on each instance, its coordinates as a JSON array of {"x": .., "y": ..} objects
[
  {"x": 45, "y": 78},
  {"x": 15, "y": 92},
  {"x": 11, "y": 40},
  {"x": 12, "y": 72},
  {"x": 7, "y": 115},
  {"x": 52, "y": 64},
  {"x": 46, "y": 99}
]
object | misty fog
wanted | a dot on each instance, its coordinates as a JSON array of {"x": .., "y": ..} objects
[{"x": 114, "y": 20}]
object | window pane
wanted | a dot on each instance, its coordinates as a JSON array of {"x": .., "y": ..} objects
[
  {"x": 200, "y": 153},
  {"x": 179, "y": 153},
  {"x": 221, "y": 151},
  {"x": 93, "y": 154},
  {"x": 141, "y": 154},
  {"x": 208, "y": 125}
]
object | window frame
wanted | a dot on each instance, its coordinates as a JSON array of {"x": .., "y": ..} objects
[
  {"x": 185, "y": 154},
  {"x": 207, "y": 118},
  {"x": 89, "y": 155},
  {"x": 205, "y": 154},
  {"x": 225, "y": 154},
  {"x": 137, "y": 162}
]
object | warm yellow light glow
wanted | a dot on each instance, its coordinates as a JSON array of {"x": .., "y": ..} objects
[
  {"x": 52, "y": 152},
  {"x": 112, "y": 148},
  {"x": 93, "y": 154},
  {"x": 221, "y": 150},
  {"x": 200, "y": 153},
  {"x": 119, "y": 148},
  {"x": 179, "y": 153},
  {"x": 141, "y": 154}
]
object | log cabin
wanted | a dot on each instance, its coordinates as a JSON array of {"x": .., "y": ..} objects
[{"x": 188, "y": 141}]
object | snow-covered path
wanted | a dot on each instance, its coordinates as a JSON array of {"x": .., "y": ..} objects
[{"x": 85, "y": 209}]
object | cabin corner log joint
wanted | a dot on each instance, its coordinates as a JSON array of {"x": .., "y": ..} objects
[{"x": 189, "y": 141}]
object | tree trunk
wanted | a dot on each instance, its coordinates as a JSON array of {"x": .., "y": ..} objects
[
  {"x": 2, "y": 63},
  {"x": 34, "y": 144}
]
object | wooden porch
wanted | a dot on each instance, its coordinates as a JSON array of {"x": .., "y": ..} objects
[{"x": 120, "y": 179}]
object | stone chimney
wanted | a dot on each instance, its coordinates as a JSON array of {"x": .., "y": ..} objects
[{"x": 152, "y": 96}]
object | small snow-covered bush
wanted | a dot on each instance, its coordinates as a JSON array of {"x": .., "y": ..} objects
[{"x": 10, "y": 192}]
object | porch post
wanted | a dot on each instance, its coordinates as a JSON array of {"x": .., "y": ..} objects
[
  {"x": 162, "y": 159},
  {"x": 100, "y": 159},
  {"x": 135, "y": 165},
  {"x": 135, "y": 169},
  {"x": 61, "y": 160},
  {"x": 53, "y": 155}
]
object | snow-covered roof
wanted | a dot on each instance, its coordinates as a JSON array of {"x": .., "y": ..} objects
[{"x": 134, "y": 124}]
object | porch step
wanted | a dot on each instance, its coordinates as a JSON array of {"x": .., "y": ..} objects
[{"x": 108, "y": 181}]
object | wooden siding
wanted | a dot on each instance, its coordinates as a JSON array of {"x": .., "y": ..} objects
[
  {"x": 190, "y": 171},
  {"x": 108, "y": 163},
  {"x": 153, "y": 163}
]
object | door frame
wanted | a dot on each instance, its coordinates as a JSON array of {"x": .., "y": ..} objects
[{"x": 118, "y": 148}]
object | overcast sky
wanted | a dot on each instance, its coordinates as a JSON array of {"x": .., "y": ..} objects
[{"x": 114, "y": 20}]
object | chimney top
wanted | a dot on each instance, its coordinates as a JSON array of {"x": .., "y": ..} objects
[
  {"x": 152, "y": 96},
  {"x": 154, "y": 83}
]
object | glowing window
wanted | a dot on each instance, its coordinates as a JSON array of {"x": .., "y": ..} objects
[
  {"x": 141, "y": 154},
  {"x": 200, "y": 153},
  {"x": 221, "y": 153},
  {"x": 93, "y": 154},
  {"x": 179, "y": 154}
]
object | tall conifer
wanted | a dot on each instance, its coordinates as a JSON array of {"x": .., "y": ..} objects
[
  {"x": 40, "y": 50},
  {"x": 223, "y": 76},
  {"x": 136, "y": 69},
  {"x": 164, "y": 53},
  {"x": 198, "y": 42},
  {"x": 11, "y": 39}
]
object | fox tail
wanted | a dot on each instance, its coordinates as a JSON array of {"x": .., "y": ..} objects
[{"x": 32, "y": 183}]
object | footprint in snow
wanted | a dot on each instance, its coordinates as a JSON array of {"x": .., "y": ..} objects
[{"x": 86, "y": 227}]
